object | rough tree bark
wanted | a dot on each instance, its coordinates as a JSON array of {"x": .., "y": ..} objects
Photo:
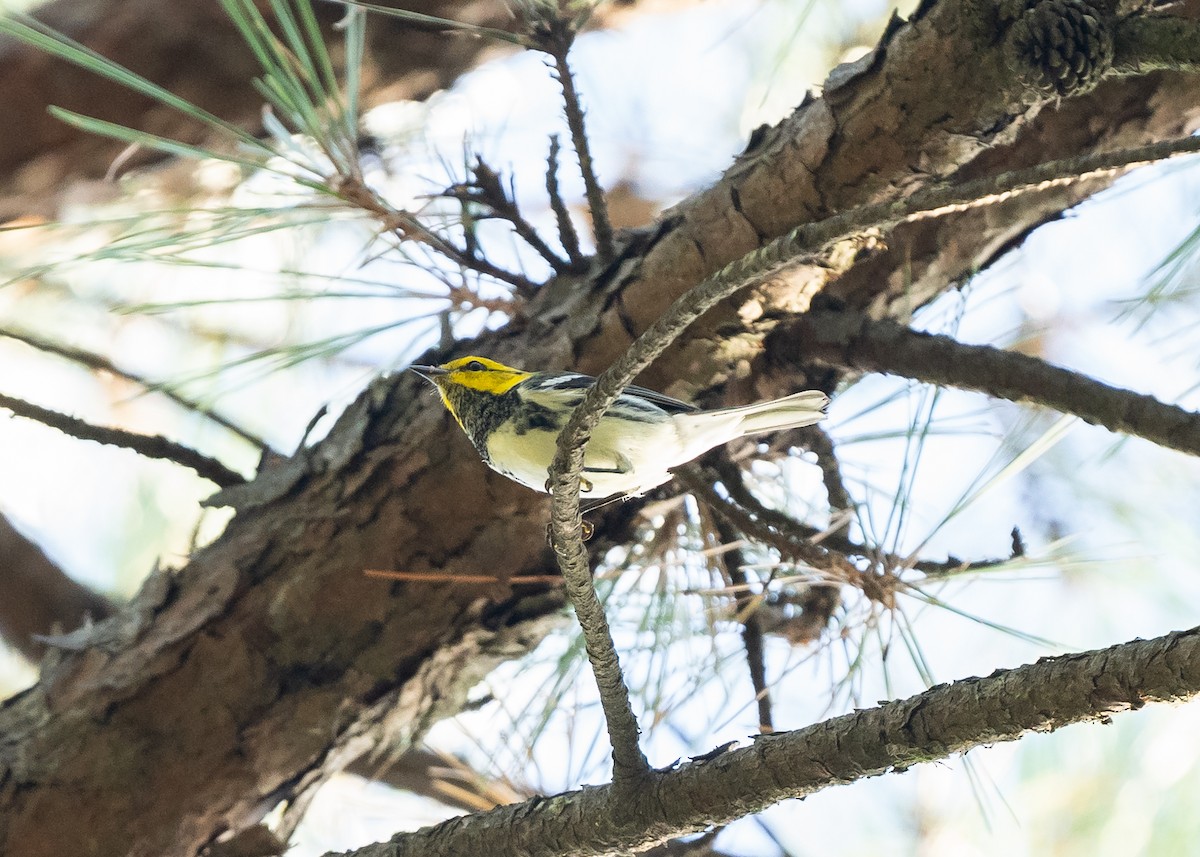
[{"x": 269, "y": 661}]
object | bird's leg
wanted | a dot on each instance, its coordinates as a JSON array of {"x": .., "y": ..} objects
[
  {"x": 584, "y": 486},
  {"x": 586, "y": 530}
]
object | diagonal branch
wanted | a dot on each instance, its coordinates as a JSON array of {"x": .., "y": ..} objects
[
  {"x": 947, "y": 719},
  {"x": 151, "y": 446},
  {"x": 852, "y": 340},
  {"x": 821, "y": 445},
  {"x": 948, "y": 198},
  {"x": 793, "y": 540},
  {"x": 100, "y": 363},
  {"x": 486, "y": 189}
]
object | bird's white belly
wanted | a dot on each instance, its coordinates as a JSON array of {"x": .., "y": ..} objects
[{"x": 616, "y": 461}]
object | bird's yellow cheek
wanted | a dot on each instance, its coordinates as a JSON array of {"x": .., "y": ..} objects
[{"x": 450, "y": 408}]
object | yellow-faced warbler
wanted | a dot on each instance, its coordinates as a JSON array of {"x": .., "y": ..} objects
[{"x": 513, "y": 418}]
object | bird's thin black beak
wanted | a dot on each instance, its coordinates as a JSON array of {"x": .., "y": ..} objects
[{"x": 429, "y": 372}]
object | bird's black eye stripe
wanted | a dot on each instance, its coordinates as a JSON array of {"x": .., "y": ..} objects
[{"x": 476, "y": 366}]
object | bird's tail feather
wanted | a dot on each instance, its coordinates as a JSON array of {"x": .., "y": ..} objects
[
  {"x": 798, "y": 409},
  {"x": 701, "y": 431}
]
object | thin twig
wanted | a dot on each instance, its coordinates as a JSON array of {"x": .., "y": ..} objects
[
  {"x": 818, "y": 600},
  {"x": 151, "y": 446},
  {"x": 953, "y": 565},
  {"x": 466, "y": 219},
  {"x": 732, "y": 478},
  {"x": 470, "y": 260},
  {"x": 784, "y": 533},
  {"x": 557, "y": 42},
  {"x": 567, "y": 236},
  {"x": 474, "y": 262},
  {"x": 488, "y": 191},
  {"x": 454, "y": 577},
  {"x": 102, "y": 364},
  {"x": 407, "y": 226},
  {"x": 772, "y": 528},
  {"x": 747, "y": 603},
  {"x": 821, "y": 445},
  {"x": 852, "y": 340}
]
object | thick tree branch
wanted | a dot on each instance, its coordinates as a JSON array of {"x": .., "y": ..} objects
[
  {"x": 151, "y": 446},
  {"x": 852, "y": 340},
  {"x": 706, "y": 232},
  {"x": 947, "y": 719},
  {"x": 952, "y": 197},
  {"x": 1147, "y": 43}
]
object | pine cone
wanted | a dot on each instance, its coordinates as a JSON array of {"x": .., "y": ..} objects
[{"x": 1060, "y": 47}]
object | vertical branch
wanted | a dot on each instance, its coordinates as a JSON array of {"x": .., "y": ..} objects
[
  {"x": 557, "y": 43},
  {"x": 747, "y": 613},
  {"x": 629, "y": 763},
  {"x": 567, "y": 236}
]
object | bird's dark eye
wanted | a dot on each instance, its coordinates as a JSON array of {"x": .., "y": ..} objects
[{"x": 476, "y": 366}]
